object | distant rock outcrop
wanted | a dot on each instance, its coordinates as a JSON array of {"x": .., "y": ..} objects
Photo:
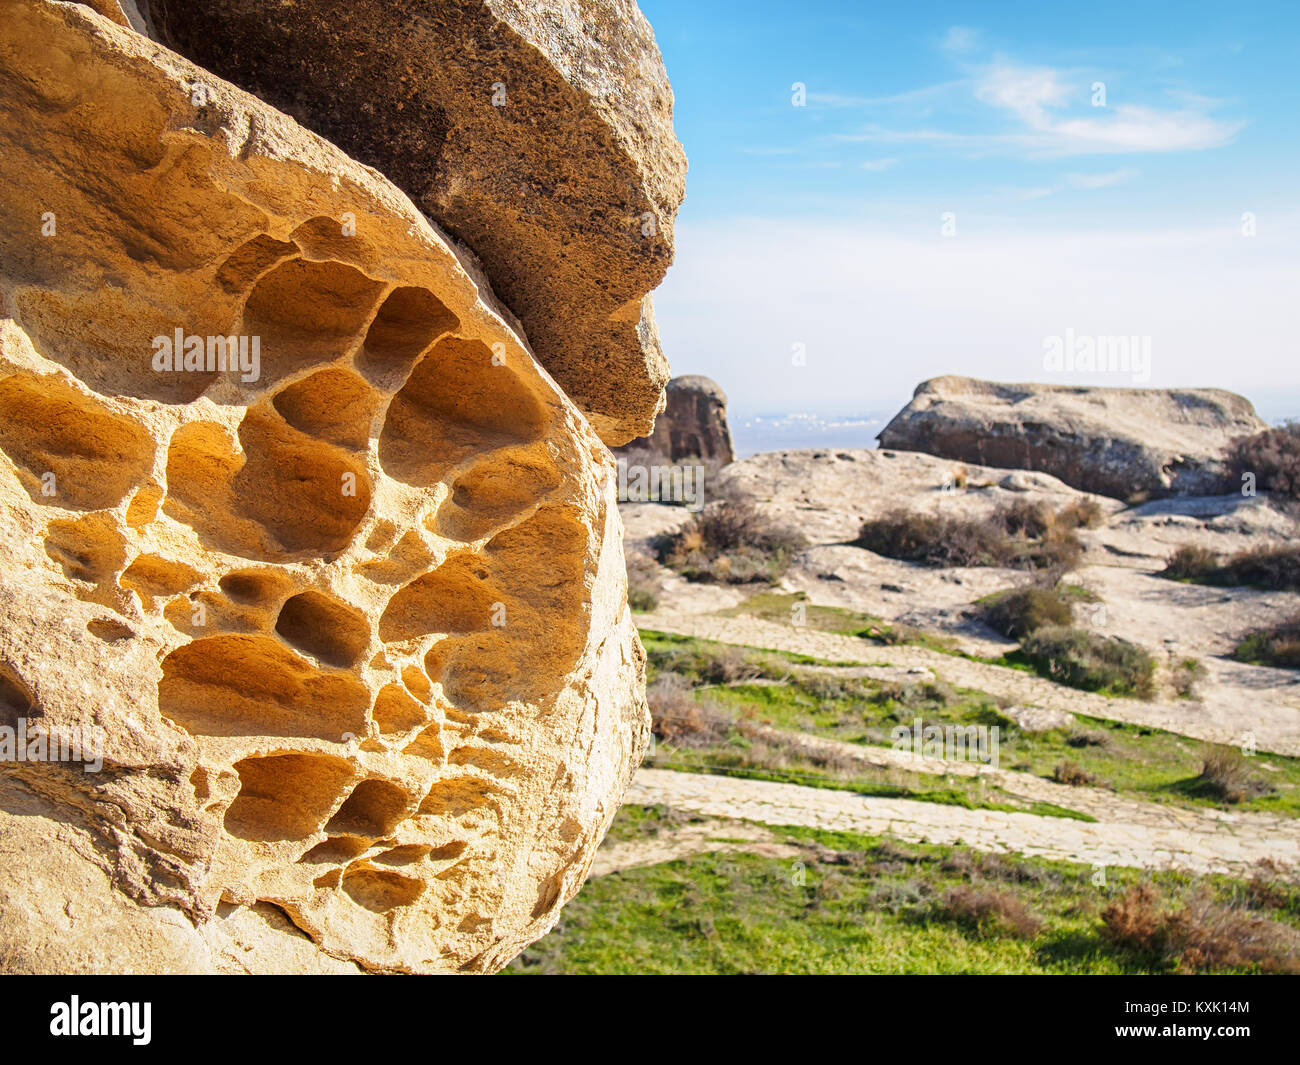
[
  {"x": 1118, "y": 442},
  {"x": 297, "y": 541},
  {"x": 694, "y": 424},
  {"x": 539, "y": 134}
]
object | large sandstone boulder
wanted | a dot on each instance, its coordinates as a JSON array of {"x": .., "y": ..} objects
[
  {"x": 693, "y": 425},
  {"x": 345, "y": 622},
  {"x": 539, "y": 134},
  {"x": 1118, "y": 442}
]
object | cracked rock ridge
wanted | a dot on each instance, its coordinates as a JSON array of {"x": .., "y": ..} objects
[{"x": 353, "y": 629}]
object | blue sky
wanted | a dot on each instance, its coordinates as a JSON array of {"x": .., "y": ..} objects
[{"x": 820, "y": 229}]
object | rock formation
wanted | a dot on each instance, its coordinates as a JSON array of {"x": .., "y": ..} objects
[
  {"x": 1118, "y": 442},
  {"x": 539, "y": 135},
  {"x": 296, "y": 531},
  {"x": 693, "y": 425}
]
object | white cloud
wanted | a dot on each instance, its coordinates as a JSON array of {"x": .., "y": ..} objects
[
  {"x": 960, "y": 39},
  {"x": 876, "y": 165},
  {"x": 1036, "y": 95},
  {"x": 881, "y": 311},
  {"x": 1099, "y": 181}
]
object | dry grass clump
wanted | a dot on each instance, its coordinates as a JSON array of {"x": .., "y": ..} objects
[
  {"x": 987, "y": 911},
  {"x": 1273, "y": 456},
  {"x": 1067, "y": 772},
  {"x": 1020, "y": 611},
  {"x": 730, "y": 541},
  {"x": 1226, "y": 776},
  {"x": 678, "y": 719},
  {"x": 1274, "y": 568},
  {"x": 1021, "y": 533},
  {"x": 1200, "y": 935}
]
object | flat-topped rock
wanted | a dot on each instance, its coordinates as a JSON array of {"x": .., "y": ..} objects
[{"x": 1118, "y": 442}]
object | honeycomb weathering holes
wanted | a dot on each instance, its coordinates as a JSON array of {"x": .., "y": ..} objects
[
  {"x": 15, "y": 697},
  {"x": 454, "y": 598},
  {"x": 333, "y": 405},
  {"x": 307, "y": 313},
  {"x": 374, "y": 809},
  {"x": 496, "y": 491},
  {"x": 285, "y": 796},
  {"x": 287, "y": 494},
  {"x": 333, "y": 632},
  {"x": 455, "y": 403},
  {"x": 395, "y": 711},
  {"x": 251, "y": 259},
  {"x": 95, "y": 456},
  {"x": 408, "y": 322},
  {"x": 380, "y": 890},
  {"x": 247, "y": 685}
]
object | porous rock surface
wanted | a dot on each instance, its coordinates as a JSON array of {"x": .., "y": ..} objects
[
  {"x": 355, "y": 632},
  {"x": 1118, "y": 442},
  {"x": 538, "y": 134},
  {"x": 693, "y": 424}
]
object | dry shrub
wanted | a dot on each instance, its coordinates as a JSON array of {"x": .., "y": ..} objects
[
  {"x": 1017, "y": 534},
  {"x": 1087, "y": 738},
  {"x": 1020, "y": 611},
  {"x": 1273, "y": 456},
  {"x": 988, "y": 911},
  {"x": 1187, "y": 675},
  {"x": 1278, "y": 645},
  {"x": 1201, "y": 935},
  {"x": 1085, "y": 513},
  {"x": 1067, "y": 772},
  {"x": 1271, "y": 888},
  {"x": 730, "y": 541},
  {"x": 678, "y": 719},
  {"x": 1190, "y": 563},
  {"x": 1274, "y": 568},
  {"x": 1091, "y": 661},
  {"x": 1226, "y": 776}
]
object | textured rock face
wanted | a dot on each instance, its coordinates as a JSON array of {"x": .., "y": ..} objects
[
  {"x": 349, "y": 621},
  {"x": 1117, "y": 442},
  {"x": 540, "y": 135},
  {"x": 693, "y": 425}
]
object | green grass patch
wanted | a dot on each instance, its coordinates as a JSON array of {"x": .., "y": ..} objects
[{"x": 850, "y": 903}]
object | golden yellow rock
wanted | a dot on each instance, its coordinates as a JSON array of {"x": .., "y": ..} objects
[{"x": 294, "y": 522}]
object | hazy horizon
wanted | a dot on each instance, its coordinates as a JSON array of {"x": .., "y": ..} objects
[{"x": 887, "y": 195}]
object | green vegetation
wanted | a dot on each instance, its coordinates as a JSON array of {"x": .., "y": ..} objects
[
  {"x": 795, "y": 607},
  {"x": 1278, "y": 645},
  {"x": 753, "y": 688},
  {"x": 848, "y": 903},
  {"x": 1020, "y": 611},
  {"x": 1090, "y": 661},
  {"x": 1273, "y": 568}
]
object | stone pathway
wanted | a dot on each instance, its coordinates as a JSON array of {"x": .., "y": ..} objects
[
  {"x": 698, "y": 838},
  {"x": 1200, "y": 843},
  {"x": 1224, "y": 715}
]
